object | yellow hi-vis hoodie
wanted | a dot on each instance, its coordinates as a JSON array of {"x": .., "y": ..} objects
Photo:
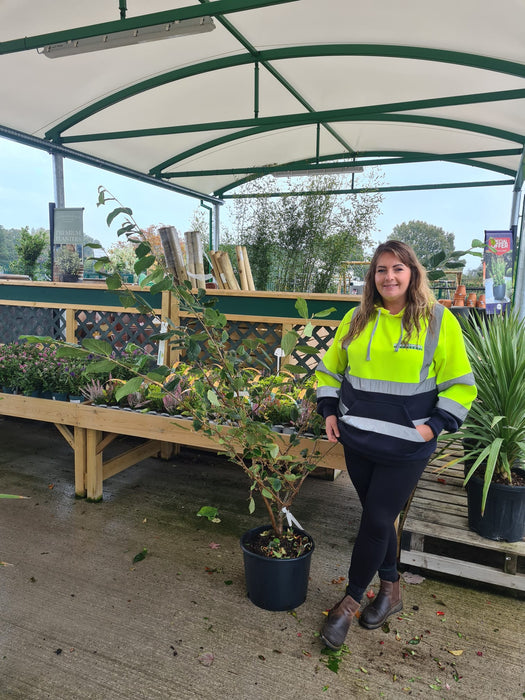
[{"x": 382, "y": 386}]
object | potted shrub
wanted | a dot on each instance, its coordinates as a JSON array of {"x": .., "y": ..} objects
[
  {"x": 68, "y": 263},
  {"x": 493, "y": 434},
  {"x": 220, "y": 407}
]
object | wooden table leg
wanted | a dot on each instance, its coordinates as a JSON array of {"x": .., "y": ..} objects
[
  {"x": 80, "y": 461},
  {"x": 94, "y": 462}
]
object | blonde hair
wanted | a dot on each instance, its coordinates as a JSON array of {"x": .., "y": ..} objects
[{"x": 420, "y": 298}]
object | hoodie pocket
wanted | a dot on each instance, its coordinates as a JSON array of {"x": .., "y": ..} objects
[{"x": 384, "y": 418}]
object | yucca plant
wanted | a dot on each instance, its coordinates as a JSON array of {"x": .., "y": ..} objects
[{"x": 493, "y": 434}]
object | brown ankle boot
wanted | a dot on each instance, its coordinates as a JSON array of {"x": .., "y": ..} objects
[
  {"x": 339, "y": 619},
  {"x": 387, "y": 602}
]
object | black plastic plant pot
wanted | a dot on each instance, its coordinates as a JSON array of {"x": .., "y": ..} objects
[
  {"x": 504, "y": 516},
  {"x": 499, "y": 292},
  {"x": 275, "y": 584}
]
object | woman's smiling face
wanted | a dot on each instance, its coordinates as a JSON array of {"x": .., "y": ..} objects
[{"x": 392, "y": 278}]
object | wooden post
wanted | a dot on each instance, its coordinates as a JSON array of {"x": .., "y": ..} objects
[
  {"x": 242, "y": 268},
  {"x": 80, "y": 461},
  {"x": 71, "y": 326},
  {"x": 226, "y": 266},
  {"x": 94, "y": 464},
  {"x": 190, "y": 258},
  {"x": 248, "y": 268},
  {"x": 198, "y": 259},
  {"x": 217, "y": 270}
]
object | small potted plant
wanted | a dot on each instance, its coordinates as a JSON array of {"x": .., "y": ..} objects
[
  {"x": 68, "y": 263},
  {"x": 493, "y": 434}
]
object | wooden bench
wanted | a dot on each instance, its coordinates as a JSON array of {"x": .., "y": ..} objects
[
  {"x": 435, "y": 534},
  {"x": 89, "y": 430}
]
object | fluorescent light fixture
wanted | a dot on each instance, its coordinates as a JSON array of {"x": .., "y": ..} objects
[
  {"x": 340, "y": 170},
  {"x": 128, "y": 37}
]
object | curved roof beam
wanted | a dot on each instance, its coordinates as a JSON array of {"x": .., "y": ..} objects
[
  {"x": 303, "y": 118},
  {"x": 403, "y": 158},
  {"x": 382, "y": 50},
  {"x": 365, "y": 190},
  {"x": 408, "y": 118}
]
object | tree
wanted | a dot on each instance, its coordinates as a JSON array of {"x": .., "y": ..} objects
[
  {"x": 299, "y": 242},
  {"x": 29, "y": 248},
  {"x": 425, "y": 239}
]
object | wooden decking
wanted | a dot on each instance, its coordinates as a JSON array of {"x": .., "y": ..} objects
[{"x": 436, "y": 537}]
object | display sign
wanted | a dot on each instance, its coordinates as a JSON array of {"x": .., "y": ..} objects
[
  {"x": 498, "y": 262},
  {"x": 68, "y": 244}
]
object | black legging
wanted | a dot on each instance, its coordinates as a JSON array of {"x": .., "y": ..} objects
[{"x": 383, "y": 490}]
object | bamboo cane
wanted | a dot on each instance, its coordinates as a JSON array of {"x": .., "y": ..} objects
[
  {"x": 217, "y": 271},
  {"x": 177, "y": 255},
  {"x": 198, "y": 259},
  {"x": 164, "y": 234},
  {"x": 248, "y": 268},
  {"x": 241, "y": 266},
  {"x": 227, "y": 268}
]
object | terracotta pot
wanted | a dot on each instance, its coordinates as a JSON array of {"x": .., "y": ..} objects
[
  {"x": 461, "y": 290},
  {"x": 480, "y": 304},
  {"x": 445, "y": 302},
  {"x": 459, "y": 301}
]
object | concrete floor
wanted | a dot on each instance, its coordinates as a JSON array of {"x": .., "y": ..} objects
[{"x": 79, "y": 620}]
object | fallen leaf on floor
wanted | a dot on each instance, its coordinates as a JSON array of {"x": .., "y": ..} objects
[
  {"x": 439, "y": 613},
  {"x": 51, "y": 486},
  {"x": 4, "y": 563},
  {"x": 145, "y": 520},
  {"x": 456, "y": 652},
  {"x": 210, "y": 513},
  {"x": 370, "y": 594},
  {"x": 409, "y": 577},
  {"x": 214, "y": 545},
  {"x": 140, "y": 556},
  {"x": 206, "y": 659},
  {"x": 338, "y": 580},
  {"x": 479, "y": 653}
]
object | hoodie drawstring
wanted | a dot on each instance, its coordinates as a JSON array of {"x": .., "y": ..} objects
[{"x": 372, "y": 335}]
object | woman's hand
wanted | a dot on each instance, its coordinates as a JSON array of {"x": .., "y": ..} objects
[
  {"x": 426, "y": 432},
  {"x": 332, "y": 429}
]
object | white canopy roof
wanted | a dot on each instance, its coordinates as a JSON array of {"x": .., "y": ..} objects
[{"x": 277, "y": 83}]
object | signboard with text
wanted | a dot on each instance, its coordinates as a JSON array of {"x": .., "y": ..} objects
[
  {"x": 498, "y": 265},
  {"x": 68, "y": 244}
]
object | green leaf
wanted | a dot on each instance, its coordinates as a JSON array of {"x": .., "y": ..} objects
[
  {"x": 289, "y": 341},
  {"x": 93, "y": 246},
  {"x": 325, "y": 312},
  {"x": 212, "y": 398},
  {"x": 140, "y": 556},
  {"x": 276, "y": 484},
  {"x": 143, "y": 263},
  {"x": 114, "y": 281},
  {"x": 128, "y": 388},
  {"x": 267, "y": 494},
  {"x": 308, "y": 330},
  {"x": 296, "y": 369},
  {"x": 208, "y": 512},
  {"x": 307, "y": 349},
  {"x": 251, "y": 506},
  {"x": 273, "y": 449},
  {"x": 97, "y": 347},
  {"x": 8, "y": 495},
  {"x": 101, "y": 367},
  {"x": 302, "y": 307},
  {"x": 119, "y": 210}
]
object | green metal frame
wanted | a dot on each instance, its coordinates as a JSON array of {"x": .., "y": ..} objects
[{"x": 390, "y": 112}]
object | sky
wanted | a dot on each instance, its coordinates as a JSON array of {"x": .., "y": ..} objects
[{"x": 26, "y": 188}]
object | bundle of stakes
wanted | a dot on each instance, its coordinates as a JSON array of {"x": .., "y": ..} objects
[{"x": 193, "y": 268}]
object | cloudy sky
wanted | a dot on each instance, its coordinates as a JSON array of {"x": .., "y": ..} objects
[{"x": 26, "y": 188}]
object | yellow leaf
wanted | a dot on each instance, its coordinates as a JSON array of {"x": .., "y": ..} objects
[{"x": 456, "y": 652}]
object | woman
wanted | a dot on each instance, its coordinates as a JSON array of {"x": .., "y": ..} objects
[{"x": 395, "y": 376}]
